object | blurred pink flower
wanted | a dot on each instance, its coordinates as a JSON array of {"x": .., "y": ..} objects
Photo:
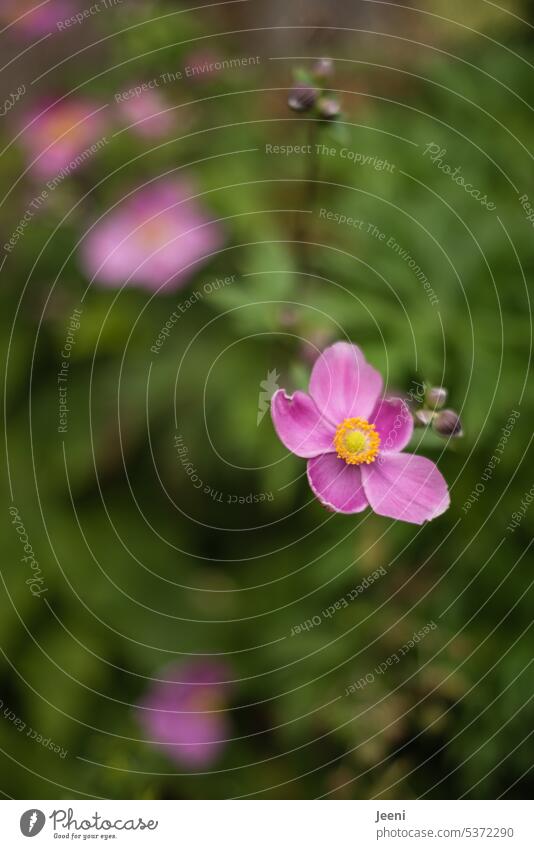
[
  {"x": 35, "y": 17},
  {"x": 185, "y": 714},
  {"x": 146, "y": 115},
  {"x": 353, "y": 439},
  {"x": 60, "y": 135},
  {"x": 155, "y": 238}
]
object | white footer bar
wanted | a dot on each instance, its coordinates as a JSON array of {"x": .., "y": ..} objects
[{"x": 269, "y": 824}]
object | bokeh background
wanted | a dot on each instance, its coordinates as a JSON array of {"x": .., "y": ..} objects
[{"x": 171, "y": 537}]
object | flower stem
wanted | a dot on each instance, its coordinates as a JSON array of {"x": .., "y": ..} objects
[{"x": 309, "y": 197}]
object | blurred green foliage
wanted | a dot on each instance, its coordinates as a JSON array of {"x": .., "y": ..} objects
[{"x": 141, "y": 567}]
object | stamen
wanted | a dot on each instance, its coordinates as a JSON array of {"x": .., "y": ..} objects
[{"x": 356, "y": 441}]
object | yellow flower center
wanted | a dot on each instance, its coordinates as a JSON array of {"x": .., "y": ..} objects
[
  {"x": 206, "y": 701},
  {"x": 356, "y": 441},
  {"x": 156, "y": 233},
  {"x": 66, "y": 124}
]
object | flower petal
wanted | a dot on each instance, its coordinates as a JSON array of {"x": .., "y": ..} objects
[
  {"x": 337, "y": 484},
  {"x": 299, "y": 424},
  {"x": 184, "y": 715},
  {"x": 394, "y": 423},
  {"x": 343, "y": 384},
  {"x": 405, "y": 487}
]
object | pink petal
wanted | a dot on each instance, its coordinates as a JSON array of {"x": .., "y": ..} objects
[
  {"x": 181, "y": 237},
  {"x": 299, "y": 424},
  {"x": 394, "y": 423},
  {"x": 343, "y": 384},
  {"x": 406, "y": 487},
  {"x": 337, "y": 484}
]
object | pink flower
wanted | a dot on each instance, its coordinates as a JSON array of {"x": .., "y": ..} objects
[
  {"x": 155, "y": 238},
  {"x": 353, "y": 440},
  {"x": 59, "y": 136},
  {"x": 36, "y": 17},
  {"x": 147, "y": 115},
  {"x": 185, "y": 714}
]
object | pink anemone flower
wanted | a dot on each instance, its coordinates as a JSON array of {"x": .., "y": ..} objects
[
  {"x": 61, "y": 137},
  {"x": 353, "y": 439},
  {"x": 155, "y": 238},
  {"x": 147, "y": 115},
  {"x": 186, "y": 713},
  {"x": 36, "y": 17}
]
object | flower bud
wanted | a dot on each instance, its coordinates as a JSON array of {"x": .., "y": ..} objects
[
  {"x": 423, "y": 417},
  {"x": 323, "y": 69},
  {"x": 316, "y": 342},
  {"x": 328, "y": 108},
  {"x": 447, "y": 423},
  {"x": 302, "y": 98},
  {"x": 436, "y": 397}
]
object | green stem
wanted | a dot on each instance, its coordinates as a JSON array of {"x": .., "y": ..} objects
[{"x": 310, "y": 192}]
